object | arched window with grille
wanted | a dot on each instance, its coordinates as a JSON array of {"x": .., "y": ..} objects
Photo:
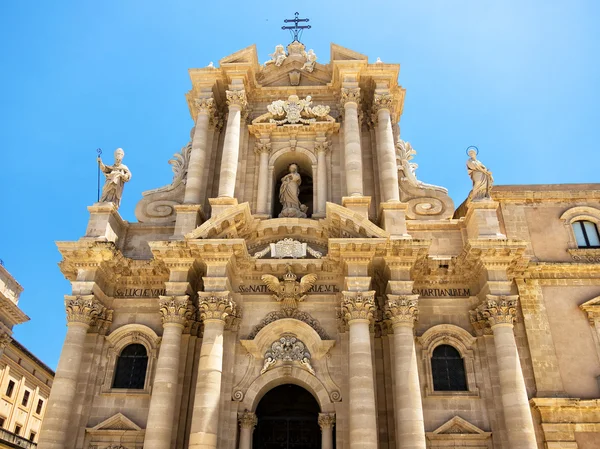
[
  {"x": 448, "y": 369},
  {"x": 132, "y": 365},
  {"x": 586, "y": 234}
]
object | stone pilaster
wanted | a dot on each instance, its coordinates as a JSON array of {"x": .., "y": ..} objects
[
  {"x": 402, "y": 311},
  {"x": 326, "y": 422},
  {"x": 263, "y": 149},
  {"x": 500, "y": 312},
  {"x": 357, "y": 309},
  {"x": 350, "y": 99},
  {"x": 175, "y": 311},
  {"x": 215, "y": 308},
  {"x": 386, "y": 150},
  {"x": 236, "y": 101},
  {"x": 247, "y": 422},
  {"x": 82, "y": 312}
]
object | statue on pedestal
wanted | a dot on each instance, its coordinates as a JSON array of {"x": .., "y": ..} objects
[
  {"x": 116, "y": 177},
  {"x": 288, "y": 194},
  {"x": 482, "y": 178}
]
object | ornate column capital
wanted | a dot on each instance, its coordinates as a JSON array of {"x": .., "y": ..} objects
[
  {"x": 85, "y": 309},
  {"x": 494, "y": 310},
  {"x": 5, "y": 339},
  {"x": 350, "y": 95},
  {"x": 236, "y": 98},
  {"x": 205, "y": 105},
  {"x": 247, "y": 420},
  {"x": 322, "y": 146},
  {"x": 262, "y": 147},
  {"x": 383, "y": 101},
  {"x": 175, "y": 309},
  {"x": 216, "y": 305},
  {"x": 358, "y": 305},
  {"x": 326, "y": 421},
  {"x": 402, "y": 310}
]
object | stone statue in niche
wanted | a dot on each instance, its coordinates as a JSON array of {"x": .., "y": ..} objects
[
  {"x": 288, "y": 194},
  {"x": 482, "y": 178},
  {"x": 277, "y": 57},
  {"x": 116, "y": 177}
]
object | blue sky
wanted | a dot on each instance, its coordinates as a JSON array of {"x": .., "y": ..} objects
[{"x": 518, "y": 79}]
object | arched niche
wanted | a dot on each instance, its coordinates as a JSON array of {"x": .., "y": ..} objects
[{"x": 278, "y": 168}]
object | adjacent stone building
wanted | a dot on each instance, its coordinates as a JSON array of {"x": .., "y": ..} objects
[
  {"x": 297, "y": 286},
  {"x": 25, "y": 381}
]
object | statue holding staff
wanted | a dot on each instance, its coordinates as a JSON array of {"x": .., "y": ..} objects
[
  {"x": 116, "y": 177},
  {"x": 482, "y": 178}
]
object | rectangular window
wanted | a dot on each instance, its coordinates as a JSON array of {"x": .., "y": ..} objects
[
  {"x": 10, "y": 388},
  {"x": 32, "y": 436},
  {"x": 17, "y": 430},
  {"x": 40, "y": 404},
  {"x": 2, "y": 421},
  {"x": 25, "y": 398}
]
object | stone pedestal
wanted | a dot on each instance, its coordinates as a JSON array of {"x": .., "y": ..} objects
[
  {"x": 219, "y": 205},
  {"x": 482, "y": 220},
  {"x": 358, "y": 309},
  {"x": 358, "y": 204},
  {"x": 247, "y": 422},
  {"x": 392, "y": 218},
  {"x": 82, "y": 312},
  {"x": 105, "y": 223},
  {"x": 326, "y": 422},
  {"x": 188, "y": 218},
  {"x": 175, "y": 311}
]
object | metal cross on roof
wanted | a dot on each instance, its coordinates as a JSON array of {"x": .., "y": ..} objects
[{"x": 296, "y": 30}]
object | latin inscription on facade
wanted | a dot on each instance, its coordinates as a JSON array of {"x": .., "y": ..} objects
[
  {"x": 139, "y": 292},
  {"x": 262, "y": 289},
  {"x": 453, "y": 292}
]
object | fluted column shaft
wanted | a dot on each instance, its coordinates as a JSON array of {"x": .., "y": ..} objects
[
  {"x": 402, "y": 311},
  {"x": 352, "y": 150},
  {"x": 236, "y": 99},
  {"x": 326, "y": 422},
  {"x": 386, "y": 150},
  {"x": 215, "y": 307},
  {"x": 358, "y": 308},
  {"x": 175, "y": 310},
  {"x": 82, "y": 311},
  {"x": 321, "y": 148},
  {"x": 500, "y": 312},
  {"x": 193, "y": 187},
  {"x": 263, "y": 178},
  {"x": 247, "y": 422}
]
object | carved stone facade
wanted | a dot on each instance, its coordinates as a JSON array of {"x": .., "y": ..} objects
[{"x": 412, "y": 324}]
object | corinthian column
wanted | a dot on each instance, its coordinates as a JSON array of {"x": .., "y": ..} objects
[
  {"x": 247, "y": 422},
  {"x": 175, "y": 311},
  {"x": 326, "y": 422},
  {"x": 500, "y": 313},
  {"x": 357, "y": 310},
  {"x": 193, "y": 187},
  {"x": 82, "y": 312},
  {"x": 402, "y": 311},
  {"x": 352, "y": 150},
  {"x": 321, "y": 149},
  {"x": 386, "y": 150},
  {"x": 215, "y": 308},
  {"x": 263, "y": 149},
  {"x": 236, "y": 100}
]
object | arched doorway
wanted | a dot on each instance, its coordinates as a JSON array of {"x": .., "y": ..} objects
[{"x": 287, "y": 419}]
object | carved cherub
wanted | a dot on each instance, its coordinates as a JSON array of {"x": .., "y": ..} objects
[{"x": 290, "y": 291}]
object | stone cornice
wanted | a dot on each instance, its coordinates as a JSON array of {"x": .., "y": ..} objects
[
  {"x": 562, "y": 270},
  {"x": 560, "y": 193},
  {"x": 85, "y": 254},
  {"x": 11, "y": 312}
]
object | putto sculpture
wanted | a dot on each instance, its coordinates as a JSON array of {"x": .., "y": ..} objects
[
  {"x": 116, "y": 177},
  {"x": 482, "y": 178},
  {"x": 311, "y": 60},
  {"x": 277, "y": 57},
  {"x": 288, "y": 194},
  {"x": 289, "y": 292}
]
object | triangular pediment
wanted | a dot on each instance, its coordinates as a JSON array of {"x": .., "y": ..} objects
[
  {"x": 594, "y": 302},
  {"x": 273, "y": 76},
  {"x": 339, "y": 53},
  {"x": 457, "y": 425},
  {"x": 117, "y": 422},
  {"x": 246, "y": 55},
  {"x": 345, "y": 223}
]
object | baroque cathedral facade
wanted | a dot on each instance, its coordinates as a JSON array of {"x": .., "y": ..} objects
[{"x": 297, "y": 286}]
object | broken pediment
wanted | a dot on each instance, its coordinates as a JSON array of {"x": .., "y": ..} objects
[
  {"x": 339, "y": 53},
  {"x": 116, "y": 422},
  {"x": 246, "y": 55}
]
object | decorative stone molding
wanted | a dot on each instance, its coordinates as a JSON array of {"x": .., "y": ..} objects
[
  {"x": 288, "y": 247},
  {"x": 5, "y": 339},
  {"x": 296, "y": 314},
  {"x": 247, "y": 420},
  {"x": 290, "y": 292},
  {"x": 402, "y": 309},
  {"x": 84, "y": 309},
  {"x": 358, "y": 305},
  {"x": 216, "y": 305},
  {"x": 458, "y": 432},
  {"x": 287, "y": 349},
  {"x": 175, "y": 309},
  {"x": 294, "y": 111},
  {"x": 237, "y": 98},
  {"x": 350, "y": 95},
  {"x": 585, "y": 255},
  {"x": 494, "y": 310},
  {"x": 326, "y": 421}
]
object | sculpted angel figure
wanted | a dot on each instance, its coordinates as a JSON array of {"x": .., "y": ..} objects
[
  {"x": 288, "y": 194},
  {"x": 277, "y": 57},
  {"x": 311, "y": 60},
  {"x": 482, "y": 178},
  {"x": 116, "y": 177},
  {"x": 289, "y": 292}
]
